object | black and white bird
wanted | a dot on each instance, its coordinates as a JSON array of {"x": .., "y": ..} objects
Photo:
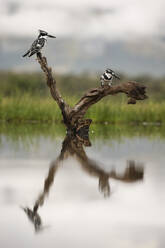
[
  {"x": 38, "y": 44},
  {"x": 107, "y": 77}
]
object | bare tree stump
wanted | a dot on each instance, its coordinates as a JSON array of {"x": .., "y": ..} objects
[{"x": 74, "y": 117}]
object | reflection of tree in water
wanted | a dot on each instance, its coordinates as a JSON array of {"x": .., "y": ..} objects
[{"x": 73, "y": 146}]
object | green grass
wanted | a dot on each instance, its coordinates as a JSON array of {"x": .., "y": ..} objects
[
  {"x": 29, "y": 109},
  {"x": 29, "y": 133},
  {"x": 12, "y": 84},
  {"x": 25, "y": 97},
  {"x": 118, "y": 113},
  {"x": 35, "y": 109}
]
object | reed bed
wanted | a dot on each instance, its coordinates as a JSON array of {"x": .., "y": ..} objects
[{"x": 34, "y": 109}]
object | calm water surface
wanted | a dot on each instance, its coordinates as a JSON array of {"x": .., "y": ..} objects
[{"x": 56, "y": 192}]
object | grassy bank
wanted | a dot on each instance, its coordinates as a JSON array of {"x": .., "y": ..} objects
[
  {"x": 12, "y": 84},
  {"x": 35, "y": 109},
  {"x": 28, "y": 132}
]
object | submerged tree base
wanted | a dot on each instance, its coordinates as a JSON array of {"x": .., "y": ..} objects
[{"x": 74, "y": 117}]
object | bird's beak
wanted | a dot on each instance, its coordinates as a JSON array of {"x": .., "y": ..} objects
[
  {"x": 117, "y": 77},
  {"x": 51, "y": 36}
]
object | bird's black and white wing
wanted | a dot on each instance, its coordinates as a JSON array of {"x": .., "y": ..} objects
[
  {"x": 107, "y": 76},
  {"x": 102, "y": 78},
  {"x": 36, "y": 46}
]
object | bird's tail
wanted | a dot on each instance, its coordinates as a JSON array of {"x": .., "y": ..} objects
[{"x": 26, "y": 53}]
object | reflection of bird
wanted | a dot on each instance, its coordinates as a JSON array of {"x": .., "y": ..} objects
[
  {"x": 33, "y": 217},
  {"x": 107, "y": 77},
  {"x": 72, "y": 146},
  {"x": 38, "y": 44}
]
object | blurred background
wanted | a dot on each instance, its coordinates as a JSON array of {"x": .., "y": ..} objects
[{"x": 125, "y": 35}]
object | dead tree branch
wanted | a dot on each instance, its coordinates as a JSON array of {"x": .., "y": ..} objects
[
  {"x": 51, "y": 83},
  {"x": 74, "y": 117}
]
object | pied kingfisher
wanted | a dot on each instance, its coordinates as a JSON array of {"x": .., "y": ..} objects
[
  {"x": 107, "y": 77},
  {"x": 38, "y": 44}
]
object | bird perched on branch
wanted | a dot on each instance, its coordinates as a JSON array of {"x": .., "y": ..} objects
[
  {"x": 107, "y": 77},
  {"x": 38, "y": 44}
]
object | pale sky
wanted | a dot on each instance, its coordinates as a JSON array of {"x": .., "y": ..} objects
[
  {"x": 128, "y": 33},
  {"x": 113, "y": 19}
]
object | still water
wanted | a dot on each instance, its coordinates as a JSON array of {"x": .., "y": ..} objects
[{"x": 61, "y": 192}]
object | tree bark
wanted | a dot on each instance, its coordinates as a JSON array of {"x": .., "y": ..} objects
[{"x": 74, "y": 117}]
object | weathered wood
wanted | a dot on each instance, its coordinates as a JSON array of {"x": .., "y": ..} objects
[
  {"x": 74, "y": 117},
  {"x": 51, "y": 83},
  {"x": 133, "y": 90}
]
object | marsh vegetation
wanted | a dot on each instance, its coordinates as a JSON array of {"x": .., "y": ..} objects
[{"x": 25, "y": 97}]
